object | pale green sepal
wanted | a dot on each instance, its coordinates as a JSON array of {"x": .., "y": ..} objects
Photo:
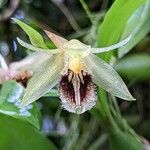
[{"x": 107, "y": 78}]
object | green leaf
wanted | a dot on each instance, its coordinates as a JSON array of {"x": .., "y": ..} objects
[
  {"x": 18, "y": 135},
  {"x": 135, "y": 67},
  {"x": 35, "y": 37},
  {"x": 52, "y": 93},
  {"x": 115, "y": 20},
  {"x": 111, "y": 29},
  {"x": 120, "y": 140},
  {"x": 138, "y": 25},
  {"x": 10, "y": 98}
]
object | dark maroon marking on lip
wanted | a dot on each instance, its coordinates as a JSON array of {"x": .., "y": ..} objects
[
  {"x": 67, "y": 90},
  {"x": 86, "y": 86}
]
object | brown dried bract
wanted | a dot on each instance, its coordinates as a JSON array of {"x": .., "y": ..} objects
[{"x": 22, "y": 77}]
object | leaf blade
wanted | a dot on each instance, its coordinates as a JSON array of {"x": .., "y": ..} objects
[
  {"x": 19, "y": 135},
  {"x": 135, "y": 67},
  {"x": 10, "y": 96},
  {"x": 34, "y": 36},
  {"x": 138, "y": 25},
  {"x": 110, "y": 31},
  {"x": 111, "y": 22}
]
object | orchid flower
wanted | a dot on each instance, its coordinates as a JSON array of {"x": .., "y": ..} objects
[{"x": 75, "y": 68}]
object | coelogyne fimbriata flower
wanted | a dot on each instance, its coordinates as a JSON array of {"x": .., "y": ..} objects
[{"x": 76, "y": 69}]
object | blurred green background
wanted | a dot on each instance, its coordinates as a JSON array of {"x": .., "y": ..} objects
[{"x": 94, "y": 22}]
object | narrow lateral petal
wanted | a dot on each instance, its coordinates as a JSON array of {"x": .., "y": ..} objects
[
  {"x": 112, "y": 47},
  {"x": 33, "y": 62},
  {"x": 57, "y": 40},
  {"x": 106, "y": 77},
  {"x": 33, "y": 48},
  {"x": 43, "y": 81}
]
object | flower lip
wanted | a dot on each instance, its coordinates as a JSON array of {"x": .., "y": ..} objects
[{"x": 77, "y": 91}]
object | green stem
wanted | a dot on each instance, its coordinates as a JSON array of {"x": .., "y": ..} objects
[
  {"x": 105, "y": 111},
  {"x": 121, "y": 121},
  {"x": 87, "y": 10}
]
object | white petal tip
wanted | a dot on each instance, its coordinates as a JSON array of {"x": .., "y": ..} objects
[
  {"x": 129, "y": 98},
  {"x": 133, "y": 99},
  {"x": 48, "y": 33},
  {"x": 13, "y": 18},
  {"x": 129, "y": 37},
  {"x": 56, "y": 39},
  {"x": 18, "y": 39}
]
